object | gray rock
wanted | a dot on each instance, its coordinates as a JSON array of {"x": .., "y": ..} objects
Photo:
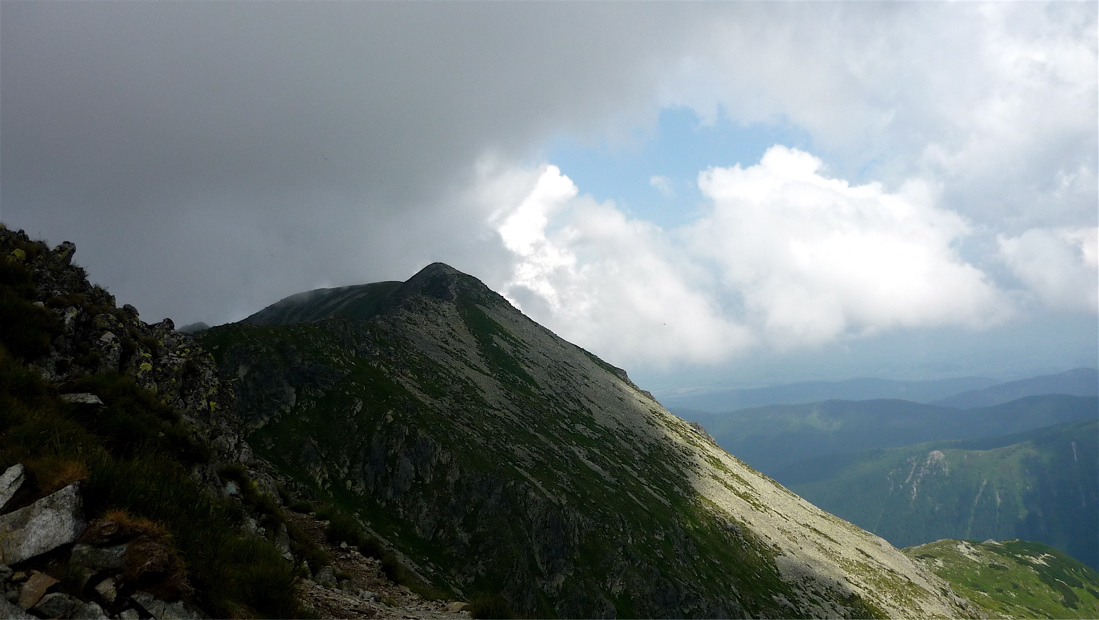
[
  {"x": 129, "y": 614},
  {"x": 282, "y": 542},
  {"x": 6, "y": 573},
  {"x": 232, "y": 489},
  {"x": 56, "y": 605},
  {"x": 43, "y": 526},
  {"x": 89, "y": 611},
  {"x": 163, "y": 610},
  {"x": 83, "y": 398},
  {"x": 10, "y": 611},
  {"x": 99, "y": 557},
  {"x": 325, "y": 575},
  {"x": 10, "y": 481}
]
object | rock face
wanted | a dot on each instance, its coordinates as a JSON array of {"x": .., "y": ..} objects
[
  {"x": 45, "y": 525},
  {"x": 507, "y": 462}
]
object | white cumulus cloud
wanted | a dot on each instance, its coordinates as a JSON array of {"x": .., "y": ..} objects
[
  {"x": 816, "y": 258},
  {"x": 663, "y": 185},
  {"x": 1059, "y": 266},
  {"x": 785, "y": 257}
]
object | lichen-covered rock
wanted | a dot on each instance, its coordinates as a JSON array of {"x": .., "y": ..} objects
[
  {"x": 96, "y": 336},
  {"x": 43, "y": 526}
]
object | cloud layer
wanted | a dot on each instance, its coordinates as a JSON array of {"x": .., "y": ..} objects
[
  {"x": 210, "y": 158},
  {"x": 786, "y": 257}
]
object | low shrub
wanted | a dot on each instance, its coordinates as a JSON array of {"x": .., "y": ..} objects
[{"x": 490, "y": 606}]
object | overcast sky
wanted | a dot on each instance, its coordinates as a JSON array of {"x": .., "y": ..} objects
[{"x": 719, "y": 193}]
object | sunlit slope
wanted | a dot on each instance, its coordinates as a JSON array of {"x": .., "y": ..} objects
[
  {"x": 1015, "y": 578},
  {"x": 504, "y": 460},
  {"x": 1039, "y": 485}
]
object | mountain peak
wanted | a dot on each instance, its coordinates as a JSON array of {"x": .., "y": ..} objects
[
  {"x": 439, "y": 268},
  {"x": 437, "y": 281}
]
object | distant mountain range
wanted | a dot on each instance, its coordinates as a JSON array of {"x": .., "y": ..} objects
[
  {"x": 960, "y": 392},
  {"x": 1040, "y": 485},
  {"x": 1024, "y": 466},
  {"x": 775, "y": 437},
  {"x": 1076, "y": 382}
]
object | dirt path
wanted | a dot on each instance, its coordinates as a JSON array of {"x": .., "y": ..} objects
[{"x": 371, "y": 594}]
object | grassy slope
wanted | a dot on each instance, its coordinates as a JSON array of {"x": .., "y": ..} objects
[
  {"x": 1039, "y": 485},
  {"x": 1014, "y": 579}
]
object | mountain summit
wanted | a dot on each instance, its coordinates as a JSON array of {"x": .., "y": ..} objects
[{"x": 503, "y": 461}]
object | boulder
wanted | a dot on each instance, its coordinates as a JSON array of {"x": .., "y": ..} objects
[
  {"x": 35, "y": 588},
  {"x": 11, "y": 612},
  {"x": 163, "y": 610},
  {"x": 45, "y": 525},
  {"x": 56, "y": 605},
  {"x": 108, "y": 589},
  {"x": 10, "y": 481},
  {"x": 326, "y": 575},
  {"x": 90, "y": 611}
]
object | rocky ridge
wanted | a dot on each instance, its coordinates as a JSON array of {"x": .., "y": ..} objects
[
  {"x": 119, "y": 396},
  {"x": 504, "y": 460}
]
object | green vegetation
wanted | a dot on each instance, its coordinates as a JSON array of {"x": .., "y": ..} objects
[
  {"x": 1014, "y": 579},
  {"x": 133, "y": 454},
  {"x": 142, "y": 471}
]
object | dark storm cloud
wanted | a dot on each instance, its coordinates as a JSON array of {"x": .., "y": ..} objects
[
  {"x": 194, "y": 150},
  {"x": 208, "y": 158}
]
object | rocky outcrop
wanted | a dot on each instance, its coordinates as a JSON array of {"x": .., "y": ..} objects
[
  {"x": 122, "y": 569},
  {"x": 93, "y": 336}
]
